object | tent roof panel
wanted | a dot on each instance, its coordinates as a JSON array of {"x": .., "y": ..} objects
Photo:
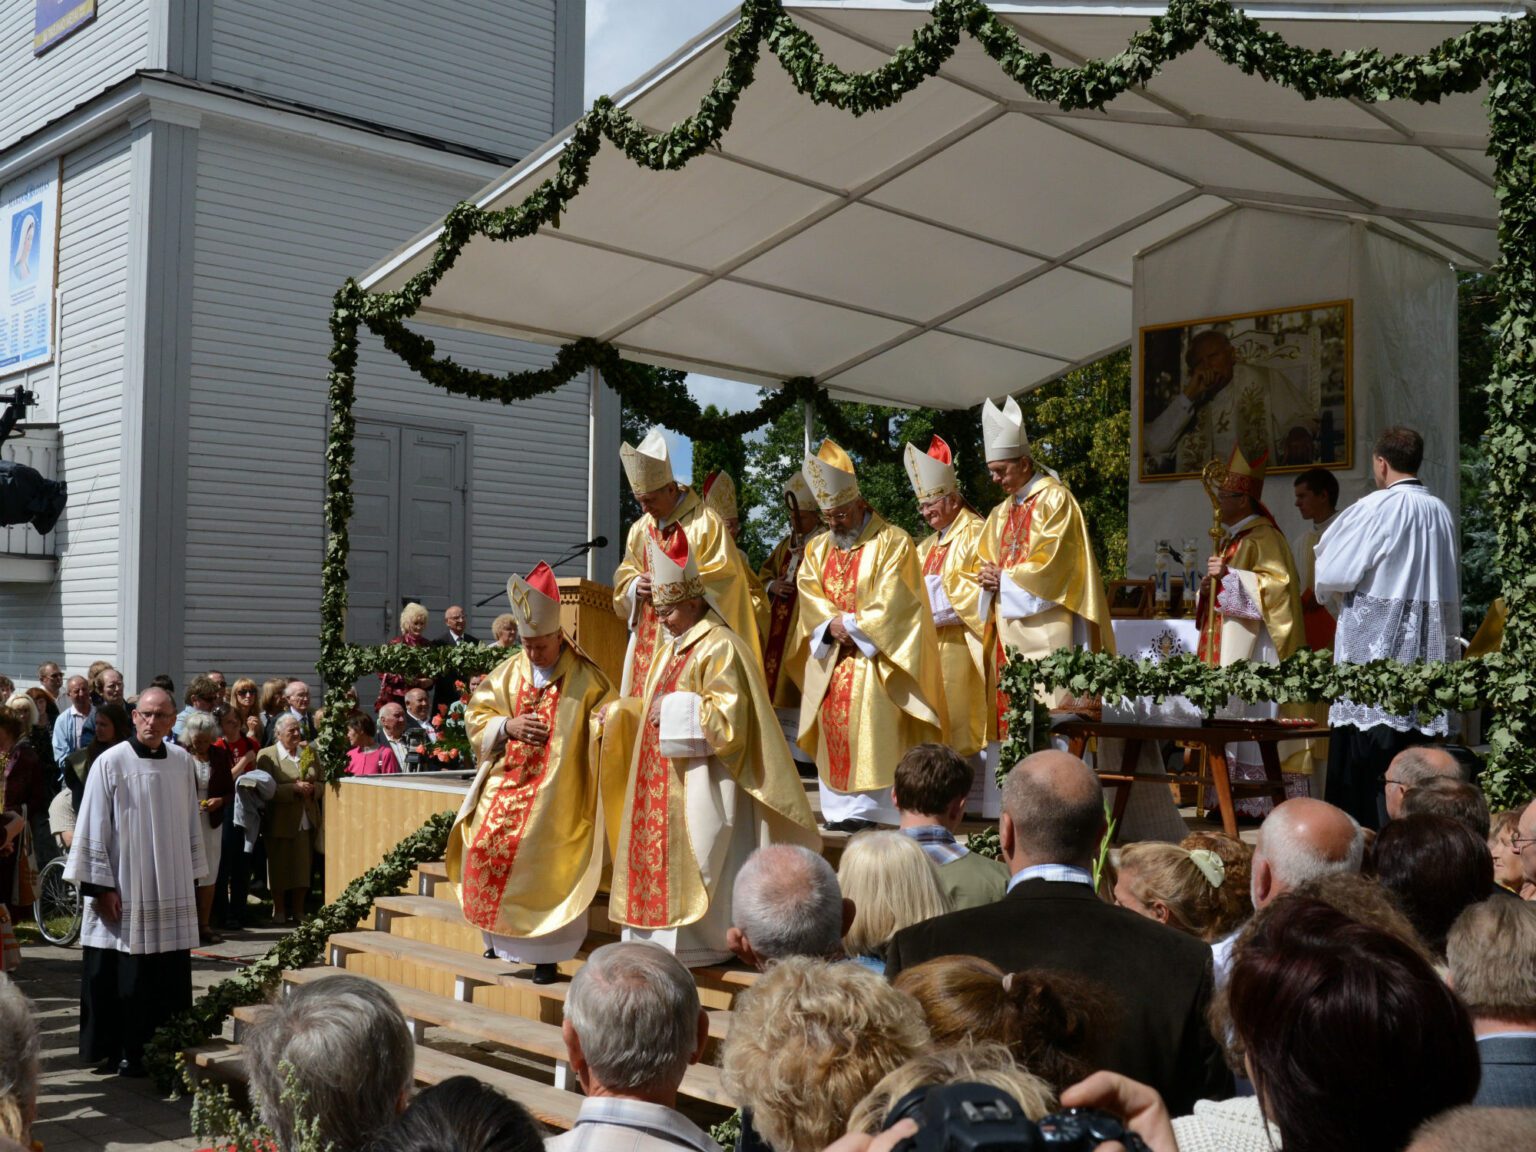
[
  {"x": 967, "y": 241},
  {"x": 832, "y": 258},
  {"x": 780, "y": 335},
  {"x": 942, "y": 364},
  {"x": 703, "y": 216},
  {"x": 1072, "y": 188},
  {"x": 1044, "y": 314}
]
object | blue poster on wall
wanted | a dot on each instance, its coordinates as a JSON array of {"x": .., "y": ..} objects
[{"x": 54, "y": 20}]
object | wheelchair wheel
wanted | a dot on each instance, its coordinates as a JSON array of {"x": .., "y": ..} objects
[{"x": 58, "y": 905}]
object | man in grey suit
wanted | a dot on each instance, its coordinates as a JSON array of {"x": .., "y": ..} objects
[{"x": 1491, "y": 952}]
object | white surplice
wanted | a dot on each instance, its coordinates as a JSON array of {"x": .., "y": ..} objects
[
  {"x": 1386, "y": 568},
  {"x": 139, "y": 831}
]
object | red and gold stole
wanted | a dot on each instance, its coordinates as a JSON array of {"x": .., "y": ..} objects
[
  {"x": 648, "y": 817},
  {"x": 488, "y": 862},
  {"x": 840, "y": 579},
  {"x": 1210, "y": 638},
  {"x": 646, "y": 630},
  {"x": 780, "y": 610}
]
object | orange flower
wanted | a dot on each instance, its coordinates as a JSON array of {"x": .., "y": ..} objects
[{"x": 437, "y": 721}]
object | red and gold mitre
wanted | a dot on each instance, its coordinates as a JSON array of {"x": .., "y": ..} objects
[
  {"x": 932, "y": 473},
  {"x": 536, "y": 601},
  {"x": 674, "y": 575},
  {"x": 1245, "y": 476}
]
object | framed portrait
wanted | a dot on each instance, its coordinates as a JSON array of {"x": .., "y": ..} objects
[{"x": 1277, "y": 383}]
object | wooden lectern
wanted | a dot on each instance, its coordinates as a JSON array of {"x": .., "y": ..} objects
[{"x": 586, "y": 614}]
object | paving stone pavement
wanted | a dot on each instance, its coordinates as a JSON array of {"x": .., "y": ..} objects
[{"x": 78, "y": 1111}]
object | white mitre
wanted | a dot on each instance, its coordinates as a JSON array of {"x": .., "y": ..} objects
[
  {"x": 932, "y": 473},
  {"x": 1002, "y": 430},
  {"x": 535, "y": 602},
  {"x": 830, "y": 476},
  {"x": 648, "y": 466},
  {"x": 796, "y": 486}
]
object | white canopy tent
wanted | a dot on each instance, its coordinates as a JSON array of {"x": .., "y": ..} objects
[{"x": 968, "y": 241}]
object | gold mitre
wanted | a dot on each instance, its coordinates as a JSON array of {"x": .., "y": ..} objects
[
  {"x": 1245, "y": 476},
  {"x": 1002, "y": 430},
  {"x": 535, "y": 602},
  {"x": 805, "y": 499},
  {"x": 674, "y": 575},
  {"x": 719, "y": 493},
  {"x": 830, "y": 476},
  {"x": 932, "y": 472},
  {"x": 648, "y": 466}
]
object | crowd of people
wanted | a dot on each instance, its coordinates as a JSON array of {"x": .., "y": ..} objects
[{"x": 1367, "y": 967}]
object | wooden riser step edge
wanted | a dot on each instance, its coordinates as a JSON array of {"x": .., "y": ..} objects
[
  {"x": 719, "y": 1017},
  {"x": 552, "y": 1107},
  {"x": 516, "y": 1033},
  {"x": 447, "y": 912},
  {"x": 468, "y": 971}
]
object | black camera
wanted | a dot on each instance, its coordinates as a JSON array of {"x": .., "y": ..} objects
[{"x": 975, "y": 1118}]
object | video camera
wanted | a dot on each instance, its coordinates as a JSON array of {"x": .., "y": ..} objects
[
  {"x": 26, "y": 496},
  {"x": 975, "y": 1118}
]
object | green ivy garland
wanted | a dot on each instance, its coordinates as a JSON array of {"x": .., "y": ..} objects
[
  {"x": 1500, "y": 53},
  {"x": 304, "y": 945}
]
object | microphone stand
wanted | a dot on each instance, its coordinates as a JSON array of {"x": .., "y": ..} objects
[{"x": 579, "y": 550}]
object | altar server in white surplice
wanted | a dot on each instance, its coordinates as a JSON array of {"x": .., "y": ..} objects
[
  {"x": 137, "y": 855},
  {"x": 1386, "y": 568}
]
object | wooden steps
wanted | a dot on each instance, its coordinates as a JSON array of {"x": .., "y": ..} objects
[
  {"x": 487, "y": 1017},
  {"x": 515, "y": 1033},
  {"x": 552, "y": 1107}
]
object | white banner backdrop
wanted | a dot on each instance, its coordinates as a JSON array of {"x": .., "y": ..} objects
[
  {"x": 29, "y": 230},
  {"x": 1404, "y": 348}
]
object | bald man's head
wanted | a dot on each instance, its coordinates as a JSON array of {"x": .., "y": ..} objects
[
  {"x": 1414, "y": 767},
  {"x": 1053, "y": 811},
  {"x": 1302, "y": 840}
]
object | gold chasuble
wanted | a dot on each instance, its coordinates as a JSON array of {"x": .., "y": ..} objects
[
  {"x": 963, "y": 633},
  {"x": 862, "y": 709},
  {"x": 1260, "y": 590},
  {"x": 1040, "y": 541},
  {"x": 721, "y": 565},
  {"x": 708, "y": 785},
  {"x": 525, "y": 853}
]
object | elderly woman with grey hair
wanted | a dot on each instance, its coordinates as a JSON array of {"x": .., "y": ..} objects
[
  {"x": 633, "y": 1024},
  {"x": 18, "y": 1064},
  {"x": 344, "y": 1042},
  {"x": 292, "y": 819},
  {"x": 215, "y": 794}
]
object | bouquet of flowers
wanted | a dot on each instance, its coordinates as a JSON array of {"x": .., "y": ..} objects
[{"x": 452, "y": 748}]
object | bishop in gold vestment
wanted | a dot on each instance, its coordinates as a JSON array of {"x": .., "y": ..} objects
[
  {"x": 1038, "y": 572},
  {"x": 709, "y": 778},
  {"x": 525, "y": 853},
  {"x": 1258, "y": 616},
  {"x": 670, "y": 510},
  {"x": 951, "y": 565},
  {"x": 873, "y": 685}
]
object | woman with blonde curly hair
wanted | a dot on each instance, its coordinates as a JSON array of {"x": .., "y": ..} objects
[
  {"x": 413, "y": 634},
  {"x": 1185, "y": 888},
  {"x": 1045, "y": 1019},
  {"x": 989, "y": 1064},
  {"x": 892, "y": 885},
  {"x": 808, "y": 1041}
]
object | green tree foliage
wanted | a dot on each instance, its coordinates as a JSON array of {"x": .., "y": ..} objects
[{"x": 1080, "y": 426}]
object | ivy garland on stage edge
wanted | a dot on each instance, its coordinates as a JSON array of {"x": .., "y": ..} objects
[
  {"x": 1501, "y": 53},
  {"x": 304, "y": 945}
]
